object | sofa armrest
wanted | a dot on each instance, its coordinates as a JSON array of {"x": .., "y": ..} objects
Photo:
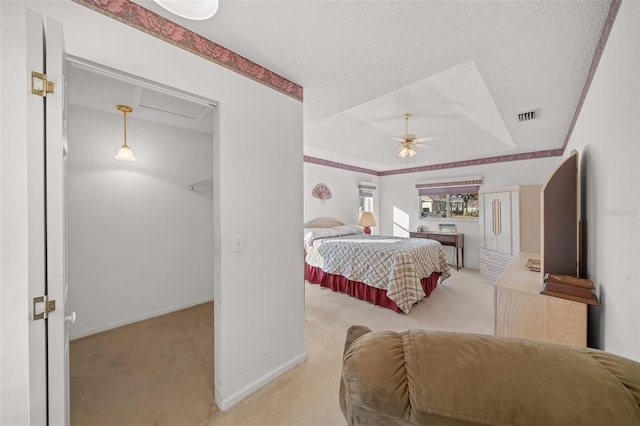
[
  {"x": 354, "y": 332},
  {"x": 623, "y": 369}
]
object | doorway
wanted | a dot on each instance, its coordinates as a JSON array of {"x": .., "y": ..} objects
[{"x": 140, "y": 234}]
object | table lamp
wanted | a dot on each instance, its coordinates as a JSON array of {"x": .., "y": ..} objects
[{"x": 367, "y": 220}]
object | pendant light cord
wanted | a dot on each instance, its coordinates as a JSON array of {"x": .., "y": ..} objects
[{"x": 125, "y": 128}]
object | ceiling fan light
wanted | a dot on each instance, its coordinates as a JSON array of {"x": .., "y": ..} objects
[
  {"x": 403, "y": 152},
  {"x": 197, "y": 10},
  {"x": 412, "y": 152}
]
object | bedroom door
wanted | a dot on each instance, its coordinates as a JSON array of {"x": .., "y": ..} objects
[{"x": 47, "y": 189}]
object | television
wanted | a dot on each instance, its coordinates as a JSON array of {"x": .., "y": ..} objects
[{"x": 560, "y": 216}]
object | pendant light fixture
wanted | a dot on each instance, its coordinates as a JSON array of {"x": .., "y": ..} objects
[
  {"x": 125, "y": 153},
  {"x": 197, "y": 10}
]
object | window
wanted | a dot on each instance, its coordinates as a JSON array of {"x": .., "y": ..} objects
[
  {"x": 458, "y": 205},
  {"x": 434, "y": 205},
  {"x": 365, "y": 191},
  {"x": 452, "y": 199},
  {"x": 366, "y": 203}
]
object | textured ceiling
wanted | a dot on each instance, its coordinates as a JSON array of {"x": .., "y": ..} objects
[
  {"x": 104, "y": 91},
  {"x": 462, "y": 68}
]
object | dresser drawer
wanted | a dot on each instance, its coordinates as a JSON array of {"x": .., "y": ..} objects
[
  {"x": 495, "y": 257},
  {"x": 491, "y": 271},
  {"x": 493, "y": 264}
]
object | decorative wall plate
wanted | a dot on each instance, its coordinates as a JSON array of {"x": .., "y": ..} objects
[{"x": 321, "y": 191}]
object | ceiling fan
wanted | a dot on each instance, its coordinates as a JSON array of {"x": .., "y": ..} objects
[{"x": 407, "y": 142}]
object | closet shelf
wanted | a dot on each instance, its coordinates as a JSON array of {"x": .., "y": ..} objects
[{"x": 203, "y": 184}]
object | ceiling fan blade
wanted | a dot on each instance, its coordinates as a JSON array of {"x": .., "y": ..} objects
[
  {"x": 395, "y": 145},
  {"x": 426, "y": 145},
  {"x": 431, "y": 138},
  {"x": 408, "y": 141}
]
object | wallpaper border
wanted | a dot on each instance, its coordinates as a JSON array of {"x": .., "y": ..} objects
[{"x": 153, "y": 24}]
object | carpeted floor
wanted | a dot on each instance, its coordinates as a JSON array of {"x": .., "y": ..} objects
[
  {"x": 153, "y": 372},
  {"x": 160, "y": 371}
]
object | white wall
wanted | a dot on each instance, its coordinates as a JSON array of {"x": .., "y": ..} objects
[
  {"x": 606, "y": 135},
  {"x": 258, "y": 293},
  {"x": 399, "y": 207},
  {"x": 345, "y": 196},
  {"x": 140, "y": 243}
]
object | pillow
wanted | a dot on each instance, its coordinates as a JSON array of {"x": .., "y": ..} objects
[
  {"x": 311, "y": 234},
  {"x": 320, "y": 232},
  {"x": 348, "y": 229},
  {"x": 334, "y": 231},
  {"x": 323, "y": 223}
]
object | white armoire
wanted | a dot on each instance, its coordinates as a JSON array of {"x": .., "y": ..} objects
[{"x": 509, "y": 224}]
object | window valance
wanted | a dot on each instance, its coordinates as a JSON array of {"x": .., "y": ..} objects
[
  {"x": 450, "y": 183},
  {"x": 365, "y": 189},
  {"x": 469, "y": 189}
]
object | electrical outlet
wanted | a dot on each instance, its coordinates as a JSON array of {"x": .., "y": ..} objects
[{"x": 238, "y": 243}]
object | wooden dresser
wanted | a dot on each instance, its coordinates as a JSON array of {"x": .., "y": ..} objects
[{"x": 521, "y": 311}]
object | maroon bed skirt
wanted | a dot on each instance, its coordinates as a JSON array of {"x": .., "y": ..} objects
[{"x": 360, "y": 290}]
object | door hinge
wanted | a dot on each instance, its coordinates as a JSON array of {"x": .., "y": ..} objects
[
  {"x": 39, "y": 84},
  {"x": 49, "y": 306}
]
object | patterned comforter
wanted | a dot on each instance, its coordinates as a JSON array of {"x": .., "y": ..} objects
[{"x": 391, "y": 263}]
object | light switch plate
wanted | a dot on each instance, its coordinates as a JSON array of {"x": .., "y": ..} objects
[{"x": 238, "y": 243}]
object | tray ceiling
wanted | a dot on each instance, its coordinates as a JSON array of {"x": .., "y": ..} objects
[{"x": 464, "y": 69}]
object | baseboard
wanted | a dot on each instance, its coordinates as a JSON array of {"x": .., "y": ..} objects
[
  {"x": 226, "y": 403},
  {"x": 138, "y": 318}
]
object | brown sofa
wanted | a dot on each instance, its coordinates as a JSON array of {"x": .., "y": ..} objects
[{"x": 444, "y": 378}]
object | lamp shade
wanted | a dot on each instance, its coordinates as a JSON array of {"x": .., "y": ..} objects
[
  {"x": 196, "y": 10},
  {"x": 367, "y": 219}
]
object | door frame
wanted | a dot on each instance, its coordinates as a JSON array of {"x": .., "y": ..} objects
[{"x": 74, "y": 61}]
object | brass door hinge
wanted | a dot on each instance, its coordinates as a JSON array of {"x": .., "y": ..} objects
[
  {"x": 39, "y": 84},
  {"x": 49, "y": 306}
]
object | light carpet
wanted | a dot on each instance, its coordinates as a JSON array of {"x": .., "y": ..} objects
[{"x": 160, "y": 371}]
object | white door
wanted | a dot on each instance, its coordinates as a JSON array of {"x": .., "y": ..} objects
[
  {"x": 36, "y": 240},
  {"x": 487, "y": 202},
  {"x": 56, "y": 184},
  {"x": 497, "y": 221},
  {"x": 47, "y": 189},
  {"x": 503, "y": 221}
]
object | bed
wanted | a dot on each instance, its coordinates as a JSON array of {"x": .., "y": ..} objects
[{"x": 392, "y": 272}]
